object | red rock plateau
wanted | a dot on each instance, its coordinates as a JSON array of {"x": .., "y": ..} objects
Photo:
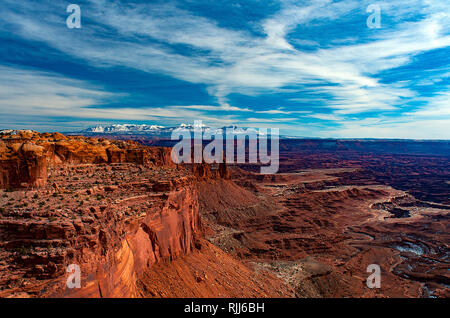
[
  {"x": 123, "y": 212},
  {"x": 140, "y": 226}
]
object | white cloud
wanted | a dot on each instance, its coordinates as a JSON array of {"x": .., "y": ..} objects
[
  {"x": 33, "y": 94},
  {"x": 408, "y": 128}
]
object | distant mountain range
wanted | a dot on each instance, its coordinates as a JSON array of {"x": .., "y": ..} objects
[{"x": 163, "y": 131}]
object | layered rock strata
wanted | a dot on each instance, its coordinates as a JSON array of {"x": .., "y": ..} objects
[
  {"x": 113, "y": 208},
  {"x": 25, "y": 156}
]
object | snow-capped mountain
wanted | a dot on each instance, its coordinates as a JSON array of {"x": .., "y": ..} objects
[
  {"x": 165, "y": 132},
  {"x": 120, "y": 129}
]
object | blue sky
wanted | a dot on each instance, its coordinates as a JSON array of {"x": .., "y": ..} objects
[{"x": 310, "y": 68}]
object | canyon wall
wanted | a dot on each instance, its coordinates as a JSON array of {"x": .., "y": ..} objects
[
  {"x": 111, "y": 246},
  {"x": 113, "y": 208},
  {"x": 161, "y": 236}
]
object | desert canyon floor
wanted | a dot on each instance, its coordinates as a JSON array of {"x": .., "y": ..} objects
[{"x": 140, "y": 226}]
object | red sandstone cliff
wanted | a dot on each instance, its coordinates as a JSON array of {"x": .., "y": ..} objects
[
  {"x": 161, "y": 236},
  {"x": 151, "y": 218}
]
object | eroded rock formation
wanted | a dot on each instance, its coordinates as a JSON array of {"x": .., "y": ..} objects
[
  {"x": 113, "y": 232},
  {"x": 26, "y": 155}
]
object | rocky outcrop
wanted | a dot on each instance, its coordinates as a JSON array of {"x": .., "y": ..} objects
[
  {"x": 26, "y": 155},
  {"x": 22, "y": 164},
  {"x": 151, "y": 217},
  {"x": 210, "y": 171},
  {"x": 162, "y": 236}
]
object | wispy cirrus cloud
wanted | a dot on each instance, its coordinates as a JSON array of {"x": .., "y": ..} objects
[
  {"x": 31, "y": 95},
  {"x": 281, "y": 56}
]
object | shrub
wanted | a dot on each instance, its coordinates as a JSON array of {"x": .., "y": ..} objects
[{"x": 23, "y": 250}]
